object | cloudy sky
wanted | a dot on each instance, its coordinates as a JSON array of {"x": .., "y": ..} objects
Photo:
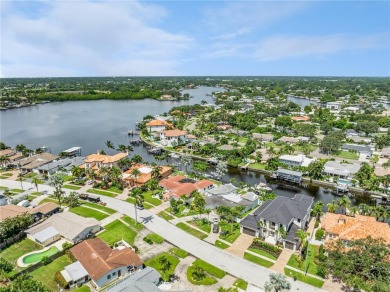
[{"x": 153, "y": 38}]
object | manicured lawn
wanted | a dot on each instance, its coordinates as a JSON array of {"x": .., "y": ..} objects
[
  {"x": 3, "y": 177},
  {"x": 230, "y": 237},
  {"x": 183, "y": 211},
  {"x": 207, "y": 280},
  {"x": 50, "y": 200},
  {"x": 100, "y": 207},
  {"x": 71, "y": 187},
  {"x": 30, "y": 175},
  {"x": 212, "y": 270},
  {"x": 260, "y": 166},
  {"x": 87, "y": 213},
  {"x": 36, "y": 193},
  {"x": 221, "y": 244},
  {"x": 313, "y": 251},
  {"x": 45, "y": 274},
  {"x": 181, "y": 253},
  {"x": 115, "y": 190},
  {"x": 82, "y": 289},
  {"x": 257, "y": 260},
  {"x": 263, "y": 253},
  {"x": 102, "y": 193},
  {"x": 17, "y": 249},
  {"x": 155, "y": 238},
  {"x": 6, "y": 174},
  {"x": 116, "y": 231},
  {"x": 347, "y": 155},
  {"x": 130, "y": 200},
  {"x": 165, "y": 216},
  {"x": 148, "y": 197},
  {"x": 240, "y": 283},
  {"x": 154, "y": 263},
  {"x": 3, "y": 188},
  {"x": 67, "y": 177},
  {"x": 204, "y": 225},
  {"x": 131, "y": 222},
  {"x": 306, "y": 279},
  {"x": 17, "y": 190},
  {"x": 191, "y": 231}
]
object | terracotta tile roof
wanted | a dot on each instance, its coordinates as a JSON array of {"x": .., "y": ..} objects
[
  {"x": 174, "y": 133},
  {"x": 191, "y": 136},
  {"x": 300, "y": 118},
  {"x": 381, "y": 171},
  {"x": 358, "y": 227},
  {"x": 145, "y": 177},
  {"x": 105, "y": 158},
  {"x": 204, "y": 183},
  {"x": 184, "y": 189},
  {"x": 98, "y": 258},
  {"x": 6, "y": 152},
  {"x": 157, "y": 123}
]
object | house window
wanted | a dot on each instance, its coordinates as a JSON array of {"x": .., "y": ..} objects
[
  {"x": 330, "y": 235},
  {"x": 113, "y": 273},
  {"x": 108, "y": 277},
  {"x": 299, "y": 220}
]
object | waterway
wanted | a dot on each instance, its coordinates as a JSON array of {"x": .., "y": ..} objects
[{"x": 89, "y": 124}]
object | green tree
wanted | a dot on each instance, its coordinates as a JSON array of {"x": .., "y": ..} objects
[
  {"x": 20, "y": 177},
  {"x": 165, "y": 265},
  {"x": 315, "y": 169},
  {"x": 185, "y": 160},
  {"x": 110, "y": 145},
  {"x": 344, "y": 203},
  {"x": 367, "y": 127},
  {"x": 136, "y": 194},
  {"x": 332, "y": 142},
  {"x": 302, "y": 235},
  {"x": 57, "y": 182},
  {"x": 198, "y": 202},
  {"x": 332, "y": 207},
  {"x": 36, "y": 181},
  {"x": 283, "y": 122},
  {"x": 316, "y": 211},
  {"x": 277, "y": 283},
  {"x": 24, "y": 282}
]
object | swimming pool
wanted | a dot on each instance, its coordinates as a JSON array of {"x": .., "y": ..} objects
[
  {"x": 37, "y": 257},
  {"x": 344, "y": 181}
]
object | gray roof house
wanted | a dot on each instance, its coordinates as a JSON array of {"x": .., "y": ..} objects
[
  {"x": 263, "y": 137},
  {"x": 290, "y": 213},
  {"x": 342, "y": 170},
  {"x": 361, "y": 149},
  {"x": 221, "y": 190},
  {"x": 65, "y": 164}
]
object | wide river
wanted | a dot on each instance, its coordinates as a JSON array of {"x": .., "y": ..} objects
[{"x": 89, "y": 124}]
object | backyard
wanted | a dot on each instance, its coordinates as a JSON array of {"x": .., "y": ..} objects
[
  {"x": 17, "y": 249},
  {"x": 116, "y": 231}
]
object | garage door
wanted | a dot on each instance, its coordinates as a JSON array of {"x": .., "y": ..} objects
[{"x": 249, "y": 231}]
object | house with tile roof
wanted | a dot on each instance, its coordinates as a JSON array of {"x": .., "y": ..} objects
[
  {"x": 145, "y": 174},
  {"x": 96, "y": 161},
  {"x": 104, "y": 264},
  {"x": 346, "y": 228},
  {"x": 157, "y": 125},
  {"x": 178, "y": 186},
  {"x": 172, "y": 138},
  {"x": 290, "y": 213}
]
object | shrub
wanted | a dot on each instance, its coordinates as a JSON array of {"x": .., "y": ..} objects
[
  {"x": 70, "y": 255},
  {"x": 46, "y": 260},
  {"x": 148, "y": 240},
  {"x": 66, "y": 245},
  {"x": 316, "y": 224},
  {"x": 59, "y": 279},
  {"x": 5, "y": 265},
  {"x": 322, "y": 270},
  {"x": 270, "y": 248},
  {"x": 319, "y": 234}
]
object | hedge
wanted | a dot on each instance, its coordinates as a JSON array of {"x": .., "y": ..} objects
[{"x": 270, "y": 248}]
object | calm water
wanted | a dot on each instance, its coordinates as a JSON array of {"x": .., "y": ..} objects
[{"x": 89, "y": 124}]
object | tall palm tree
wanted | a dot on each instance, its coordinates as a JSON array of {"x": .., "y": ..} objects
[
  {"x": 20, "y": 177},
  {"x": 261, "y": 225},
  {"x": 104, "y": 171},
  {"x": 124, "y": 163},
  {"x": 115, "y": 174},
  {"x": 121, "y": 148},
  {"x": 4, "y": 160},
  {"x": 136, "y": 159},
  {"x": 136, "y": 194},
  {"x": 36, "y": 181},
  {"x": 271, "y": 151},
  {"x": 379, "y": 212},
  {"x": 110, "y": 145},
  {"x": 332, "y": 207},
  {"x": 344, "y": 203},
  {"x": 354, "y": 210},
  {"x": 91, "y": 174},
  {"x": 135, "y": 173},
  {"x": 282, "y": 232},
  {"x": 156, "y": 171},
  {"x": 363, "y": 209},
  {"x": 302, "y": 235}
]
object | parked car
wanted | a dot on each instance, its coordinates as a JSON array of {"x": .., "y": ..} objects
[
  {"x": 89, "y": 182},
  {"x": 24, "y": 203},
  {"x": 215, "y": 228},
  {"x": 215, "y": 220}
]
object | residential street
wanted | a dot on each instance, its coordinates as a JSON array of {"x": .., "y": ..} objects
[{"x": 232, "y": 264}]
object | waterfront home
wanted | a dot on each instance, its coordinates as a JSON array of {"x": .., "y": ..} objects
[
  {"x": 289, "y": 175},
  {"x": 341, "y": 170},
  {"x": 157, "y": 125},
  {"x": 263, "y": 137},
  {"x": 42, "y": 210},
  {"x": 145, "y": 174},
  {"x": 247, "y": 201},
  {"x": 102, "y": 263},
  {"x": 285, "y": 213},
  {"x": 178, "y": 186},
  {"x": 333, "y": 105},
  {"x": 35, "y": 161},
  {"x": 296, "y": 160},
  {"x": 346, "y": 228},
  {"x": 173, "y": 137},
  {"x": 221, "y": 190},
  {"x": 11, "y": 155},
  {"x": 67, "y": 225},
  {"x": 361, "y": 149},
  {"x": 96, "y": 161},
  {"x": 64, "y": 165}
]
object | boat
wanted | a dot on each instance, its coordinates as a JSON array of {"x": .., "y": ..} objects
[
  {"x": 263, "y": 187},
  {"x": 130, "y": 133}
]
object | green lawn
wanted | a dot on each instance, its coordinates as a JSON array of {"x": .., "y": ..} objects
[
  {"x": 154, "y": 263},
  {"x": 183, "y": 211},
  {"x": 130, "y": 200},
  {"x": 45, "y": 274},
  {"x": 6, "y": 174},
  {"x": 50, "y": 200},
  {"x": 165, "y": 215},
  {"x": 67, "y": 177},
  {"x": 257, "y": 260},
  {"x": 116, "y": 231},
  {"x": 87, "y": 212},
  {"x": 148, "y": 197},
  {"x": 259, "y": 166},
  {"x": 102, "y": 193},
  {"x": 115, "y": 190},
  {"x": 204, "y": 225},
  {"x": 263, "y": 253},
  {"x": 240, "y": 283},
  {"x": 348, "y": 155},
  {"x": 100, "y": 207},
  {"x": 17, "y": 190},
  {"x": 155, "y": 238},
  {"x": 131, "y": 222},
  {"x": 181, "y": 253},
  {"x": 191, "y": 231},
  {"x": 36, "y": 193},
  {"x": 221, "y": 244},
  {"x": 313, "y": 251},
  {"x": 230, "y": 237},
  {"x": 30, "y": 175},
  {"x": 82, "y": 289},
  {"x": 71, "y": 187},
  {"x": 19, "y": 248},
  {"x": 306, "y": 279},
  {"x": 207, "y": 280},
  {"x": 212, "y": 270}
]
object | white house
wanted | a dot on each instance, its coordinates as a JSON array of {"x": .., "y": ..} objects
[
  {"x": 173, "y": 137},
  {"x": 157, "y": 125},
  {"x": 296, "y": 160},
  {"x": 333, "y": 105}
]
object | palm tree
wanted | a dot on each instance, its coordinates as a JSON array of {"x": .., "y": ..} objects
[
  {"x": 363, "y": 209},
  {"x": 344, "y": 203},
  {"x": 135, "y": 173},
  {"x": 380, "y": 212},
  {"x": 288, "y": 149},
  {"x": 156, "y": 171},
  {"x": 91, "y": 174},
  {"x": 121, "y": 148},
  {"x": 115, "y": 174},
  {"x": 77, "y": 171},
  {"x": 104, "y": 171},
  {"x": 186, "y": 160},
  {"x": 110, "y": 145},
  {"x": 36, "y": 181},
  {"x": 136, "y": 159},
  {"x": 124, "y": 163},
  {"x": 20, "y": 177},
  {"x": 354, "y": 210},
  {"x": 271, "y": 151},
  {"x": 332, "y": 207},
  {"x": 4, "y": 160},
  {"x": 317, "y": 210},
  {"x": 136, "y": 194},
  {"x": 282, "y": 232},
  {"x": 261, "y": 226},
  {"x": 302, "y": 235}
]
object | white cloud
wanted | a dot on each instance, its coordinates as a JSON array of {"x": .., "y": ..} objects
[
  {"x": 282, "y": 47},
  {"x": 90, "y": 38}
]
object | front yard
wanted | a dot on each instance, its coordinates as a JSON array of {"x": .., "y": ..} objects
[
  {"x": 155, "y": 263},
  {"x": 131, "y": 222},
  {"x": 257, "y": 260},
  {"x": 116, "y": 231},
  {"x": 191, "y": 231},
  {"x": 102, "y": 193},
  {"x": 348, "y": 155},
  {"x": 202, "y": 224},
  {"x": 227, "y": 233},
  {"x": 309, "y": 262},
  {"x": 306, "y": 279},
  {"x": 88, "y": 213}
]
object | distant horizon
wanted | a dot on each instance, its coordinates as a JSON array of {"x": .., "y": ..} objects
[{"x": 144, "y": 38}]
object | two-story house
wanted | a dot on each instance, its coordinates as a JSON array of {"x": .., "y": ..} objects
[
  {"x": 157, "y": 125},
  {"x": 96, "y": 161},
  {"x": 173, "y": 137},
  {"x": 273, "y": 216}
]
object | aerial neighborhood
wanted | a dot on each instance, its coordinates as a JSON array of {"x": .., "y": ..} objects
[{"x": 294, "y": 180}]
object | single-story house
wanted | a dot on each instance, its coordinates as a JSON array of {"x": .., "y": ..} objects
[
  {"x": 11, "y": 211},
  {"x": 67, "y": 225},
  {"x": 104, "y": 264},
  {"x": 221, "y": 190},
  {"x": 351, "y": 133},
  {"x": 263, "y": 137},
  {"x": 361, "y": 149},
  {"x": 178, "y": 186},
  {"x": 296, "y": 160},
  {"x": 290, "y": 214},
  {"x": 342, "y": 170},
  {"x": 385, "y": 153},
  {"x": 75, "y": 274},
  {"x": 35, "y": 161},
  {"x": 65, "y": 164},
  {"x": 173, "y": 137},
  {"x": 346, "y": 228},
  {"x": 290, "y": 140},
  {"x": 248, "y": 201}
]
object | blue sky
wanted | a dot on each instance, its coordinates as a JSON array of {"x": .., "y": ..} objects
[{"x": 153, "y": 38}]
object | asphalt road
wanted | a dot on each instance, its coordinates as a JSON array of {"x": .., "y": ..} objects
[{"x": 230, "y": 263}]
